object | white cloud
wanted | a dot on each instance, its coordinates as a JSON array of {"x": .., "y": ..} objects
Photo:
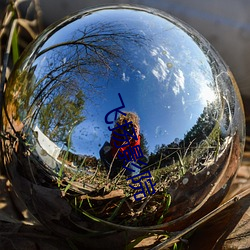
[
  {"x": 161, "y": 70},
  {"x": 154, "y": 52},
  {"x": 179, "y": 82},
  {"x": 125, "y": 78},
  {"x": 183, "y": 100},
  {"x": 141, "y": 75}
]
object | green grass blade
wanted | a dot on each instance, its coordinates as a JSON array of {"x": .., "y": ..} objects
[
  {"x": 70, "y": 184},
  {"x": 116, "y": 210},
  {"x": 175, "y": 247},
  {"x": 14, "y": 46},
  {"x": 168, "y": 203},
  {"x": 90, "y": 216},
  {"x": 89, "y": 202}
]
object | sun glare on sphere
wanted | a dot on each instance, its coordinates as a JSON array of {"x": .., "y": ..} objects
[{"x": 206, "y": 95}]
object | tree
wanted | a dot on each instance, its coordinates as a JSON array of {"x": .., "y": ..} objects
[{"x": 57, "y": 117}]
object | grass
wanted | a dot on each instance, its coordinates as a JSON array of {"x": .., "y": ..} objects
[
  {"x": 124, "y": 210},
  {"x": 111, "y": 202}
]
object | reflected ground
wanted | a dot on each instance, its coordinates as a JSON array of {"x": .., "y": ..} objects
[{"x": 64, "y": 85}]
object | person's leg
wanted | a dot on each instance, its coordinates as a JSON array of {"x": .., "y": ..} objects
[
  {"x": 134, "y": 166},
  {"x": 112, "y": 167},
  {"x": 105, "y": 155}
]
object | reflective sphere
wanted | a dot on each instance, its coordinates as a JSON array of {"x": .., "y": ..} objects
[{"x": 121, "y": 119}]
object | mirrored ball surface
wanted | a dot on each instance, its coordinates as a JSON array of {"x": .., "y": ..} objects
[{"x": 63, "y": 103}]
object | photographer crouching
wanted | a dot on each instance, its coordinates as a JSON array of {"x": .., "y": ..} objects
[{"x": 123, "y": 152}]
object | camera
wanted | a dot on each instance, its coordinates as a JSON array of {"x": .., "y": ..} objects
[{"x": 129, "y": 128}]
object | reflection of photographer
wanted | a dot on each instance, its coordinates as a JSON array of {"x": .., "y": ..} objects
[{"x": 125, "y": 135}]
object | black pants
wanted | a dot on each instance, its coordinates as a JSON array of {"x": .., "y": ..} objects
[{"x": 117, "y": 165}]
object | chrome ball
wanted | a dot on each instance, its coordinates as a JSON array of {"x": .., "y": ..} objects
[{"x": 121, "y": 119}]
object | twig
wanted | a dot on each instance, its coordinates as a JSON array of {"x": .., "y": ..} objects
[
  {"x": 5, "y": 64},
  {"x": 176, "y": 238},
  {"x": 38, "y": 15}
]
